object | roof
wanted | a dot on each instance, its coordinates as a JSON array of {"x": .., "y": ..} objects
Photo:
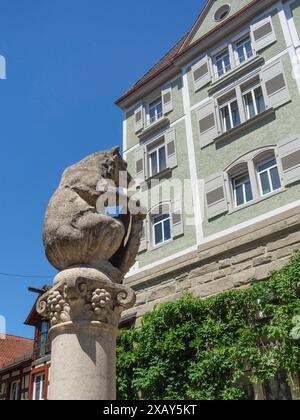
[
  {"x": 180, "y": 48},
  {"x": 33, "y": 317},
  {"x": 13, "y": 348}
]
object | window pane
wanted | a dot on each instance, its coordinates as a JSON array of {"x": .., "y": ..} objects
[
  {"x": 153, "y": 163},
  {"x": 158, "y": 230},
  {"x": 249, "y": 105},
  {"x": 248, "y": 48},
  {"x": 162, "y": 159},
  {"x": 159, "y": 109},
  {"x": 265, "y": 184},
  {"x": 220, "y": 67},
  {"x": 267, "y": 165},
  {"x": 240, "y": 195},
  {"x": 235, "y": 114},
  {"x": 167, "y": 230},
  {"x": 160, "y": 218},
  {"x": 260, "y": 103},
  {"x": 249, "y": 195},
  {"x": 275, "y": 179},
  {"x": 226, "y": 118},
  {"x": 240, "y": 51},
  {"x": 226, "y": 62}
]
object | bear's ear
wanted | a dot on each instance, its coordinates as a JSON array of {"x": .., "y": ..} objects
[{"x": 115, "y": 151}]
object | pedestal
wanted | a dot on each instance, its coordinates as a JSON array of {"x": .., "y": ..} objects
[{"x": 84, "y": 308}]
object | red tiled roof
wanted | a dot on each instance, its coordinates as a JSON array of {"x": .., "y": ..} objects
[{"x": 13, "y": 348}]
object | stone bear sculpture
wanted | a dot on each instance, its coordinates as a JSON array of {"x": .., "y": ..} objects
[{"x": 75, "y": 234}]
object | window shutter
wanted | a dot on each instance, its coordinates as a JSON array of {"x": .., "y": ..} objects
[
  {"x": 216, "y": 201},
  {"x": 275, "y": 85},
  {"x": 289, "y": 155},
  {"x": 207, "y": 119},
  {"x": 167, "y": 100},
  {"x": 140, "y": 163},
  {"x": 263, "y": 33},
  {"x": 201, "y": 73},
  {"x": 171, "y": 149},
  {"x": 138, "y": 119},
  {"x": 144, "y": 236},
  {"x": 177, "y": 218}
]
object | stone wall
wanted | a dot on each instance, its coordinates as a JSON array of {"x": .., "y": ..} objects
[{"x": 232, "y": 261}]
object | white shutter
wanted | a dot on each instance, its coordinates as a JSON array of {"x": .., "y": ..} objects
[
  {"x": 140, "y": 163},
  {"x": 215, "y": 194},
  {"x": 207, "y": 120},
  {"x": 167, "y": 100},
  {"x": 144, "y": 237},
  {"x": 263, "y": 33},
  {"x": 171, "y": 150},
  {"x": 139, "y": 119},
  {"x": 201, "y": 73},
  {"x": 289, "y": 155},
  {"x": 177, "y": 218},
  {"x": 275, "y": 85}
]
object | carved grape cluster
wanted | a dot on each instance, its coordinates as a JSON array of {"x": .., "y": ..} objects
[
  {"x": 59, "y": 309},
  {"x": 101, "y": 302}
]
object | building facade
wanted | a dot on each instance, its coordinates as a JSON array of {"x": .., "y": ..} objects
[
  {"x": 24, "y": 374},
  {"x": 212, "y": 136}
]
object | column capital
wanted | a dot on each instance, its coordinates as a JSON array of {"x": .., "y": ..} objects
[{"x": 85, "y": 295}]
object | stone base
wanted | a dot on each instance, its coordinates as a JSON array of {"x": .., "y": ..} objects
[{"x": 84, "y": 308}]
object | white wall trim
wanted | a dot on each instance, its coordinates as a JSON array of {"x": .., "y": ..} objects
[
  {"x": 192, "y": 158},
  {"x": 251, "y": 222}
]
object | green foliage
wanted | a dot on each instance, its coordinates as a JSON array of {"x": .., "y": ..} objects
[{"x": 200, "y": 349}]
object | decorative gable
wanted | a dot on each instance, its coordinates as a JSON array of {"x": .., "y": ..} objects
[{"x": 213, "y": 13}]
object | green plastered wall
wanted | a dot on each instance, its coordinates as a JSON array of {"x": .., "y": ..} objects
[
  {"x": 267, "y": 53},
  {"x": 216, "y": 157},
  {"x": 295, "y": 8},
  {"x": 178, "y": 111},
  {"x": 181, "y": 172}
]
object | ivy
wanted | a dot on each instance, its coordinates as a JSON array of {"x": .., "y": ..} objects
[{"x": 201, "y": 349}]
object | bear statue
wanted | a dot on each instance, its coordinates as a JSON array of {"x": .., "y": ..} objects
[{"x": 77, "y": 234}]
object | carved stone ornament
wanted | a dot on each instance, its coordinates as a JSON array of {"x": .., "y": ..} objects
[{"x": 82, "y": 295}]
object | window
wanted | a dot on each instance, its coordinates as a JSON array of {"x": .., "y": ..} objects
[
  {"x": 222, "y": 13},
  {"x": 155, "y": 111},
  {"x": 222, "y": 63},
  {"x": 39, "y": 387},
  {"x": 244, "y": 50},
  {"x": 242, "y": 189},
  {"x": 254, "y": 102},
  {"x": 161, "y": 228},
  {"x": 230, "y": 115},
  {"x": 268, "y": 176},
  {"x": 14, "y": 391},
  {"x": 157, "y": 160}
]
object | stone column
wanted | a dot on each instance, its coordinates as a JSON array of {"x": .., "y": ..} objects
[{"x": 84, "y": 307}]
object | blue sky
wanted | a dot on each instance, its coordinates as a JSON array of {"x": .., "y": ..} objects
[{"x": 67, "y": 62}]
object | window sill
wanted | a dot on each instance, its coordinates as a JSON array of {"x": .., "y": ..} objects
[
  {"x": 257, "y": 200},
  {"x": 245, "y": 125},
  {"x": 160, "y": 175},
  {"x": 153, "y": 127},
  {"x": 228, "y": 77},
  {"x": 155, "y": 247}
]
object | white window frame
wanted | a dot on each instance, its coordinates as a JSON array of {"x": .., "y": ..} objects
[
  {"x": 229, "y": 105},
  {"x": 235, "y": 186},
  {"x": 156, "y": 149},
  {"x": 238, "y": 41},
  {"x": 157, "y": 116},
  {"x": 162, "y": 222},
  {"x": 252, "y": 91},
  {"x": 17, "y": 383},
  {"x": 221, "y": 53},
  {"x": 42, "y": 388},
  {"x": 268, "y": 170}
]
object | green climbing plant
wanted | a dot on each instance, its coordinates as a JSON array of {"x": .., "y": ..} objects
[{"x": 207, "y": 349}]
